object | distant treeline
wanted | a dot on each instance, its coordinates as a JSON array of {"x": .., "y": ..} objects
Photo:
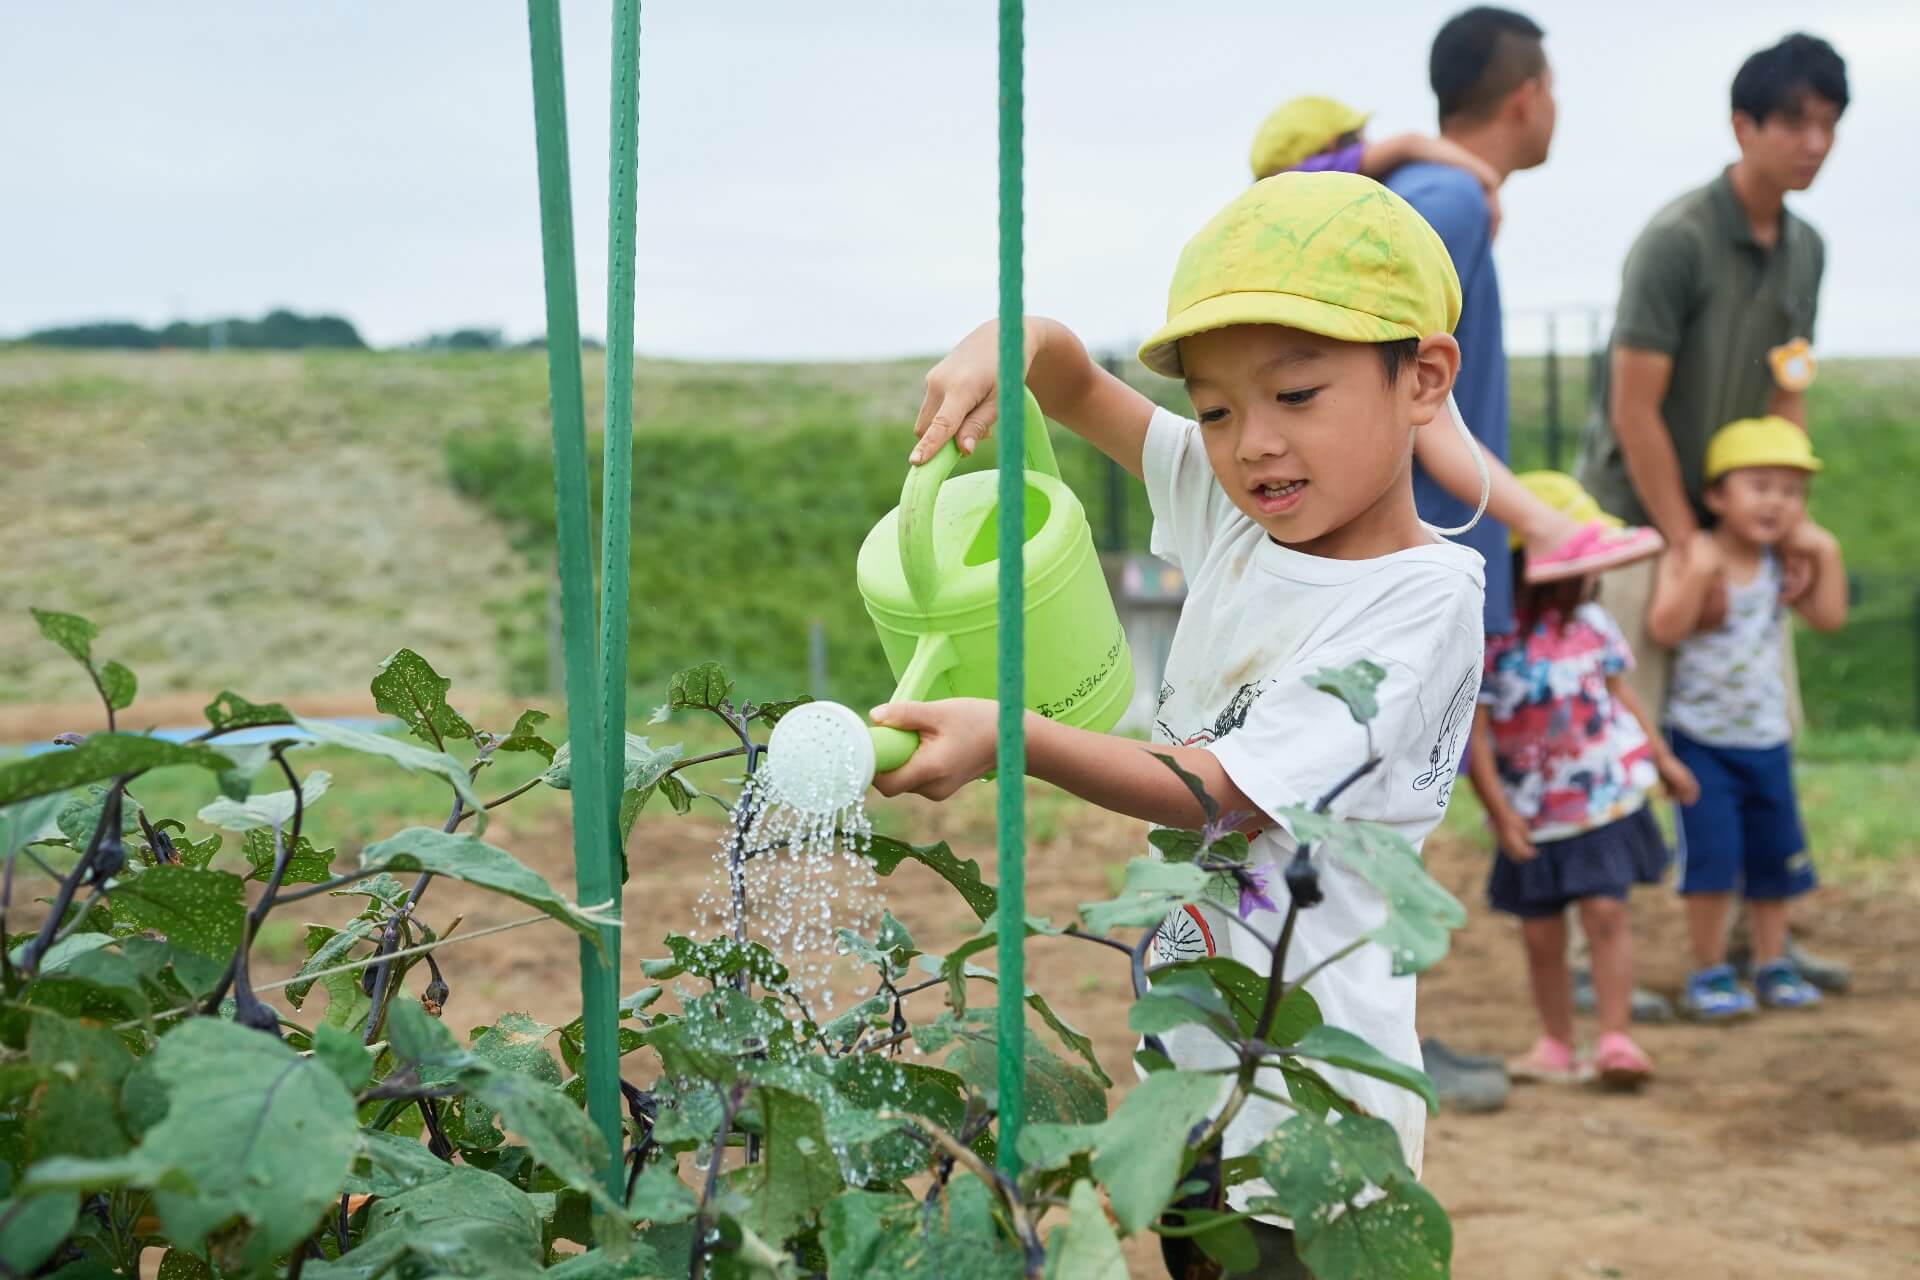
[
  {"x": 488, "y": 340},
  {"x": 275, "y": 331}
]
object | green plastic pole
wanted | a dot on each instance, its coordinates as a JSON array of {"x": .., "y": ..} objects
[
  {"x": 1012, "y": 754},
  {"x": 593, "y": 812}
]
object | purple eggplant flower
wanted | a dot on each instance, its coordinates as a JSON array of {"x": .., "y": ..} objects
[{"x": 1256, "y": 885}]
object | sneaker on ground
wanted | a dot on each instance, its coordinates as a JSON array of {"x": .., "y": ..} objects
[
  {"x": 1647, "y": 1006},
  {"x": 1780, "y": 986},
  {"x": 1594, "y": 548},
  {"x": 1464, "y": 1082},
  {"x": 1550, "y": 1061},
  {"x": 1619, "y": 1063},
  {"x": 1835, "y": 977},
  {"x": 1713, "y": 995}
]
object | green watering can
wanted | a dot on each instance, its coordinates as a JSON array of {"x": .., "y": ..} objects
[{"x": 929, "y": 573}]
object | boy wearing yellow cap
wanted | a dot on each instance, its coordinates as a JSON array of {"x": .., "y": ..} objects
[
  {"x": 1727, "y": 708},
  {"x": 1311, "y": 322}
]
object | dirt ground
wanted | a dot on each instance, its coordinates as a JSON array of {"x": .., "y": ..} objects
[{"x": 1786, "y": 1147}]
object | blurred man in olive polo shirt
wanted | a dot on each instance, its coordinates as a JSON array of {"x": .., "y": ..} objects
[{"x": 1721, "y": 279}]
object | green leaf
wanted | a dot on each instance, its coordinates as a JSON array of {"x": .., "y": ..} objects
[
  {"x": 1196, "y": 788},
  {"x": 199, "y": 911},
  {"x": 1139, "y": 1151},
  {"x": 344, "y": 1055},
  {"x": 704, "y": 686},
  {"x": 32, "y": 1227},
  {"x": 327, "y": 947},
  {"x": 1085, "y": 1248},
  {"x": 1245, "y": 992},
  {"x": 1348, "y": 1051},
  {"x": 266, "y": 1136},
  {"x": 891, "y": 950},
  {"x": 80, "y": 817},
  {"x": 1178, "y": 998},
  {"x": 797, "y": 1173},
  {"x": 715, "y": 959},
  {"x": 640, "y": 1262},
  {"x": 469, "y": 1223},
  {"x": 659, "y": 1196},
  {"x": 1152, "y": 888},
  {"x": 195, "y": 857},
  {"x": 963, "y": 874},
  {"x": 556, "y": 1131},
  {"x": 523, "y": 736},
  {"x": 410, "y": 690},
  {"x": 305, "y": 865},
  {"x": 1318, "y": 1172},
  {"x": 119, "y": 685},
  {"x": 23, "y": 823},
  {"x": 178, "y": 1264},
  {"x": 267, "y": 809},
  {"x": 773, "y": 712},
  {"x": 388, "y": 1164},
  {"x": 1420, "y": 914},
  {"x": 1354, "y": 684},
  {"x": 406, "y": 755},
  {"x": 1055, "y": 1091},
  {"x": 70, "y": 631},
  {"x": 464, "y": 858},
  {"x": 101, "y": 756},
  {"x": 643, "y": 766},
  {"x": 77, "y": 1113},
  {"x": 516, "y": 1044},
  {"x": 231, "y": 711},
  {"x": 957, "y": 1237}
]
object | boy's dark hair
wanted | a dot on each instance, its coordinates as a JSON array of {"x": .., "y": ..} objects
[
  {"x": 1479, "y": 57},
  {"x": 1778, "y": 79},
  {"x": 1397, "y": 355}
]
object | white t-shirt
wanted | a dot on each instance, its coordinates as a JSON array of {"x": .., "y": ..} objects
[
  {"x": 1260, "y": 617},
  {"x": 1728, "y": 687}
]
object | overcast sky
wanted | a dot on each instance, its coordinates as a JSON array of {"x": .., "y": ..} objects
[{"x": 817, "y": 179}]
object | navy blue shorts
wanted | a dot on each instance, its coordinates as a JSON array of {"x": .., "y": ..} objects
[{"x": 1743, "y": 835}]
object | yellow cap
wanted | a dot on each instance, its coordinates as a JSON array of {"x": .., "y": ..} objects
[
  {"x": 1563, "y": 493},
  {"x": 1331, "y": 253},
  {"x": 1759, "y": 442},
  {"x": 1298, "y": 129}
]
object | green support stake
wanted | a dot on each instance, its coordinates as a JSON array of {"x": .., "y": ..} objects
[
  {"x": 1012, "y": 755},
  {"x": 593, "y": 807}
]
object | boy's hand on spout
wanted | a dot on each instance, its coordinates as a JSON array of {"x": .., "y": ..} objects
[
  {"x": 962, "y": 392},
  {"x": 957, "y": 739}
]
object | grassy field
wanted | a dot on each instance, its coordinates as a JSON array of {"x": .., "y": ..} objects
[{"x": 282, "y": 522}]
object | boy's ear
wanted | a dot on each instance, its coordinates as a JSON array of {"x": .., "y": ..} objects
[{"x": 1435, "y": 365}]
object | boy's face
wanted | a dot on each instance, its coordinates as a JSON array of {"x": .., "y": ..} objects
[
  {"x": 1307, "y": 437},
  {"x": 1759, "y": 505},
  {"x": 1790, "y": 145}
]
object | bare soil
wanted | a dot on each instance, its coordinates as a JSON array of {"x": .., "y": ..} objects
[{"x": 1789, "y": 1146}]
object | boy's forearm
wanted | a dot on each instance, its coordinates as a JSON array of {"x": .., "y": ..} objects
[
  {"x": 1122, "y": 776},
  {"x": 1076, "y": 392},
  {"x": 1678, "y": 595},
  {"x": 1825, "y": 605}
]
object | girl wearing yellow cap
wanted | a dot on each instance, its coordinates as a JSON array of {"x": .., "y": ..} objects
[{"x": 1727, "y": 709}]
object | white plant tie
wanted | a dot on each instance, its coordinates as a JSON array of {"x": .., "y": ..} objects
[{"x": 1479, "y": 465}]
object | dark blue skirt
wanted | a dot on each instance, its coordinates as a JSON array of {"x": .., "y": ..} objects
[{"x": 1602, "y": 863}]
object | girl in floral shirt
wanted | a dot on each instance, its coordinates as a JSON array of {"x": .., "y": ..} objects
[{"x": 1563, "y": 757}]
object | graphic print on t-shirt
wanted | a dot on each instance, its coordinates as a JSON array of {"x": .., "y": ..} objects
[
  {"x": 1231, "y": 717},
  {"x": 1447, "y": 748},
  {"x": 1183, "y": 935}
]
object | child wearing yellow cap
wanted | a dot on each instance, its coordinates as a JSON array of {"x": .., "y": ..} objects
[
  {"x": 1563, "y": 758},
  {"x": 1310, "y": 320},
  {"x": 1727, "y": 709},
  {"x": 1313, "y": 134}
]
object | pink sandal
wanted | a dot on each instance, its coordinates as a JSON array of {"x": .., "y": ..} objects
[
  {"x": 1619, "y": 1063},
  {"x": 1594, "y": 548},
  {"x": 1550, "y": 1061}
]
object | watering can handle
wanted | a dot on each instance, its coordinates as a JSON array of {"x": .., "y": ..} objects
[{"x": 922, "y": 489}]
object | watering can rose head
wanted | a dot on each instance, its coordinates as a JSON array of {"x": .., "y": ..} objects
[{"x": 1312, "y": 321}]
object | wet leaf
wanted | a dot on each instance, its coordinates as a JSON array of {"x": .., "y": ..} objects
[
  {"x": 659, "y": 1196},
  {"x": 199, "y": 911},
  {"x": 797, "y": 1173},
  {"x": 388, "y": 1164},
  {"x": 101, "y": 756},
  {"x": 1139, "y": 1151},
  {"x": 410, "y": 690},
  {"x": 468, "y": 1223},
  {"x": 705, "y": 686},
  {"x": 868, "y": 1233},
  {"x": 963, "y": 874},
  {"x": 716, "y": 959},
  {"x": 1319, "y": 1172}
]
